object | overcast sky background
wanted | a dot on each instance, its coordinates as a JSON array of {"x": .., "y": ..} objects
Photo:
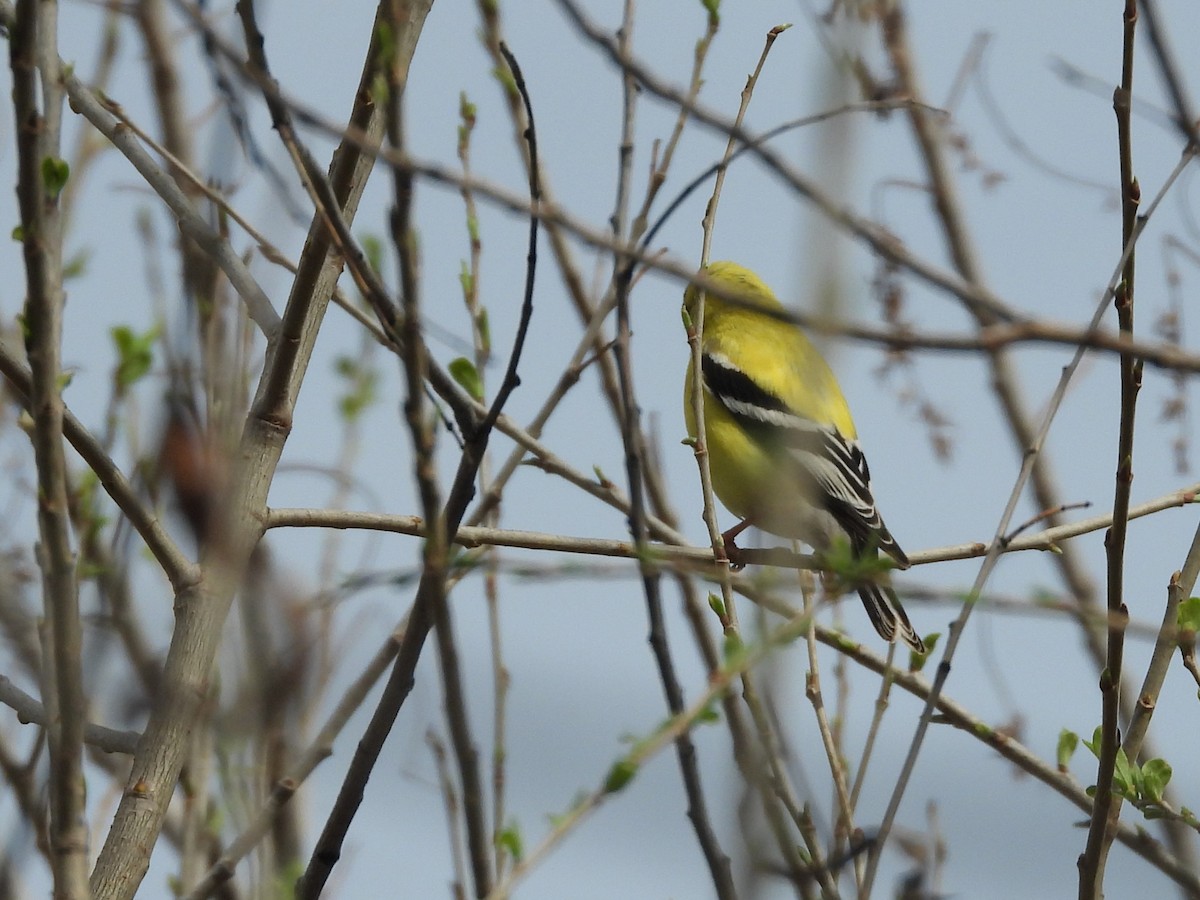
[{"x": 583, "y": 676}]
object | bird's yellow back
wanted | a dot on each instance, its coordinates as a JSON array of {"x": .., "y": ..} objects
[{"x": 781, "y": 357}]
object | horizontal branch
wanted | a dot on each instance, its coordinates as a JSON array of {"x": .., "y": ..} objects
[
  {"x": 474, "y": 536},
  {"x": 1050, "y": 538},
  {"x": 29, "y": 709},
  {"x": 993, "y": 337}
]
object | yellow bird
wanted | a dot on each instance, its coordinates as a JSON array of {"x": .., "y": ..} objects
[{"x": 782, "y": 447}]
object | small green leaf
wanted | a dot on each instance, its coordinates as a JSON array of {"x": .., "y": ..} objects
[
  {"x": 1156, "y": 775},
  {"x": 619, "y": 775},
  {"x": 509, "y": 839},
  {"x": 18, "y": 233},
  {"x": 1127, "y": 779},
  {"x": 464, "y": 372},
  {"x": 361, "y": 381},
  {"x": 135, "y": 354},
  {"x": 485, "y": 330},
  {"x": 713, "y": 7},
  {"x": 717, "y": 605},
  {"x": 1189, "y": 614},
  {"x": 372, "y": 248},
  {"x": 1094, "y": 743},
  {"x": 465, "y": 279},
  {"x": 466, "y": 110},
  {"x": 1068, "y": 742},
  {"x": 577, "y": 802},
  {"x": 55, "y": 173},
  {"x": 505, "y": 77},
  {"x": 77, "y": 264}
]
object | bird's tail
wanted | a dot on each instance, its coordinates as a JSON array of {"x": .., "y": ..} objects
[{"x": 888, "y": 616}]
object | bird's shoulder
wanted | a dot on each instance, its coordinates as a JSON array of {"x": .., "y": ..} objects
[{"x": 782, "y": 362}]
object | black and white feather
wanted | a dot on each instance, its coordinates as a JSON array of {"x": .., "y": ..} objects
[{"x": 830, "y": 472}]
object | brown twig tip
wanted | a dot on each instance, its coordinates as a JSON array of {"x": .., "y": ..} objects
[{"x": 1042, "y": 516}]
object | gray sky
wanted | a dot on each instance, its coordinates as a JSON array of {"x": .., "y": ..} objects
[{"x": 582, "y": 674}]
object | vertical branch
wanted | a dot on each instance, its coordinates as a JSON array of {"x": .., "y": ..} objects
[
  {"x": 767, "y": 773},
  {"x": 321, "y": 748},
  {"x": 695, "y": 334},
  {"x": 1028, "y": 439},
  {"x": 482, "y": 344},
  {"x": 195, "y": 845},
  {"x": 42, "y": 175},
  {"x": 844, "y": 820},
  {"x": 201, "y": 607},
  {"x": 560, "y": 246},
  {"x": 435, "y": 554},
  {"x": 450, "y": 803},
  {"x": 198, "y": 272},
  {"x": 1182, "y": 584},
  {"x": 633, "y": 440},
  {"x": 1106, "y": 808},
  {"x": 431, "y": 590}
]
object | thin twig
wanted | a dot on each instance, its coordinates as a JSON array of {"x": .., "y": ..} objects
[
  {"x": 844, "y": 821},
  {"x": 1106, "y": 807},
  {"x": 1185, "y": 115},
  {"x": 633, "y": 440},
  {"x": 881, "y": 705},
  {"x": 429, "y": 605},
  {"x": 318, "y": 750},
  {"x": 28, "y": 709},
  {"x": 41, "y": 176},
  {"x": 95, "y": 110},
  {"x": 675, "y": 547},
  {"x": 450, "y": 803},
  {"x": 1032, "y": 452},
  {"x": 201, "y": 610},
  {"x": 1181, "y": 586}
]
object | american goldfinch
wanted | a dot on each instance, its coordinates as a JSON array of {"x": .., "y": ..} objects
[{"x": 782, "y": 447}]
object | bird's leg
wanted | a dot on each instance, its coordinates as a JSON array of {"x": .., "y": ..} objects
[{"x": 732, "y": 552}]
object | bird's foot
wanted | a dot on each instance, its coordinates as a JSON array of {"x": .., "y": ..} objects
[{"x": 733, "y": 553}]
